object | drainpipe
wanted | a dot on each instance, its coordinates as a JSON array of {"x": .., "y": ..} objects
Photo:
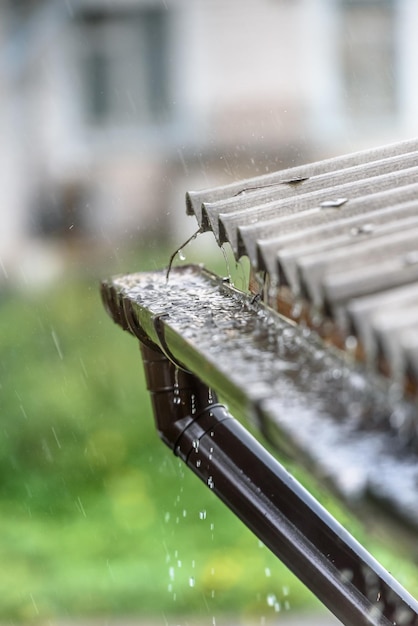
[{"x": 280, "y": 512}]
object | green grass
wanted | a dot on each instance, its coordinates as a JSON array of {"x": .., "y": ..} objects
[{"x": 97, "y": 516}]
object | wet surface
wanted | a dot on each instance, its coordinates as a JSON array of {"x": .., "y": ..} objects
[
  {"x": 305, "y": 619},
  {"x": 346, "y": 423}
]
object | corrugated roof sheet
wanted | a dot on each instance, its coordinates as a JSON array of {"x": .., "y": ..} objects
[{"x": 340, "y": 236}]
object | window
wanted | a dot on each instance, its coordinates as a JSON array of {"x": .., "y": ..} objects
[
  {"x": 125, "y": 67},
  {"x": 368, "y": 53}
]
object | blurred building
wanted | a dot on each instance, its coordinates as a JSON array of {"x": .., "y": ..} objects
[{"x": 111, "y": 109}]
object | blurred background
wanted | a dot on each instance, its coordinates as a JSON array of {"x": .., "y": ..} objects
[{"x": 109, "y": 111}]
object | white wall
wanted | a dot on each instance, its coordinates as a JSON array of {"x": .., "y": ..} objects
[{"x": 258, "y": 73}]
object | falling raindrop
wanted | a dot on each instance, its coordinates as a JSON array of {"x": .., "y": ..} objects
[
  {"x": 182, "y": 161},
  {"x": 34, "y": 603},
  {"x": 192, "y": 581},
  {"x": 228, "y": 277},
  {"x": 3, "y": 269},
  {"x": 56, "y": 437},
  {"x": 202, "y": 514},
  {"x": 57, "y": 343},
  {"x": 211, "y": 484},
  {"x": 271, "y": 599},
  {"x": 80, "y": 506}
]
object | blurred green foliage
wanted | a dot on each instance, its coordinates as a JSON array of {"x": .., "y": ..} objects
[{"x": 98, "y": 517}]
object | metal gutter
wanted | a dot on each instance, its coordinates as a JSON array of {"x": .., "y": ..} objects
[{"x": 258, "y": 361}]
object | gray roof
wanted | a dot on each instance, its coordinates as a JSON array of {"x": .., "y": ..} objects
[{"x": 341, "y": 235}]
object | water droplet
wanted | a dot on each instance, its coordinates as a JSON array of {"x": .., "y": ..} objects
[
  {"x": 198, "y": 463},
  {"x": 167, "y": 517},
  {"x": 334, "y": 203},
  {"x": 202, "y": 514},
  {"x": 193, "y": 403},
  {"x": 211, "y": 484},
  {"x": 267, "y": 572},
  {"x": 364, "y": 229},
  {"x": 195, "y": 444},
  {"x": 411, "y": 258},
  {"x": 192, "y": 581},
  {"x": 271, "y": 599},
  {"x": 296, "y": 310},
  {"x": 346, "y": 575},
  {"x": 351, "y": 343},
  {"x": 176, "y": 390}
]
